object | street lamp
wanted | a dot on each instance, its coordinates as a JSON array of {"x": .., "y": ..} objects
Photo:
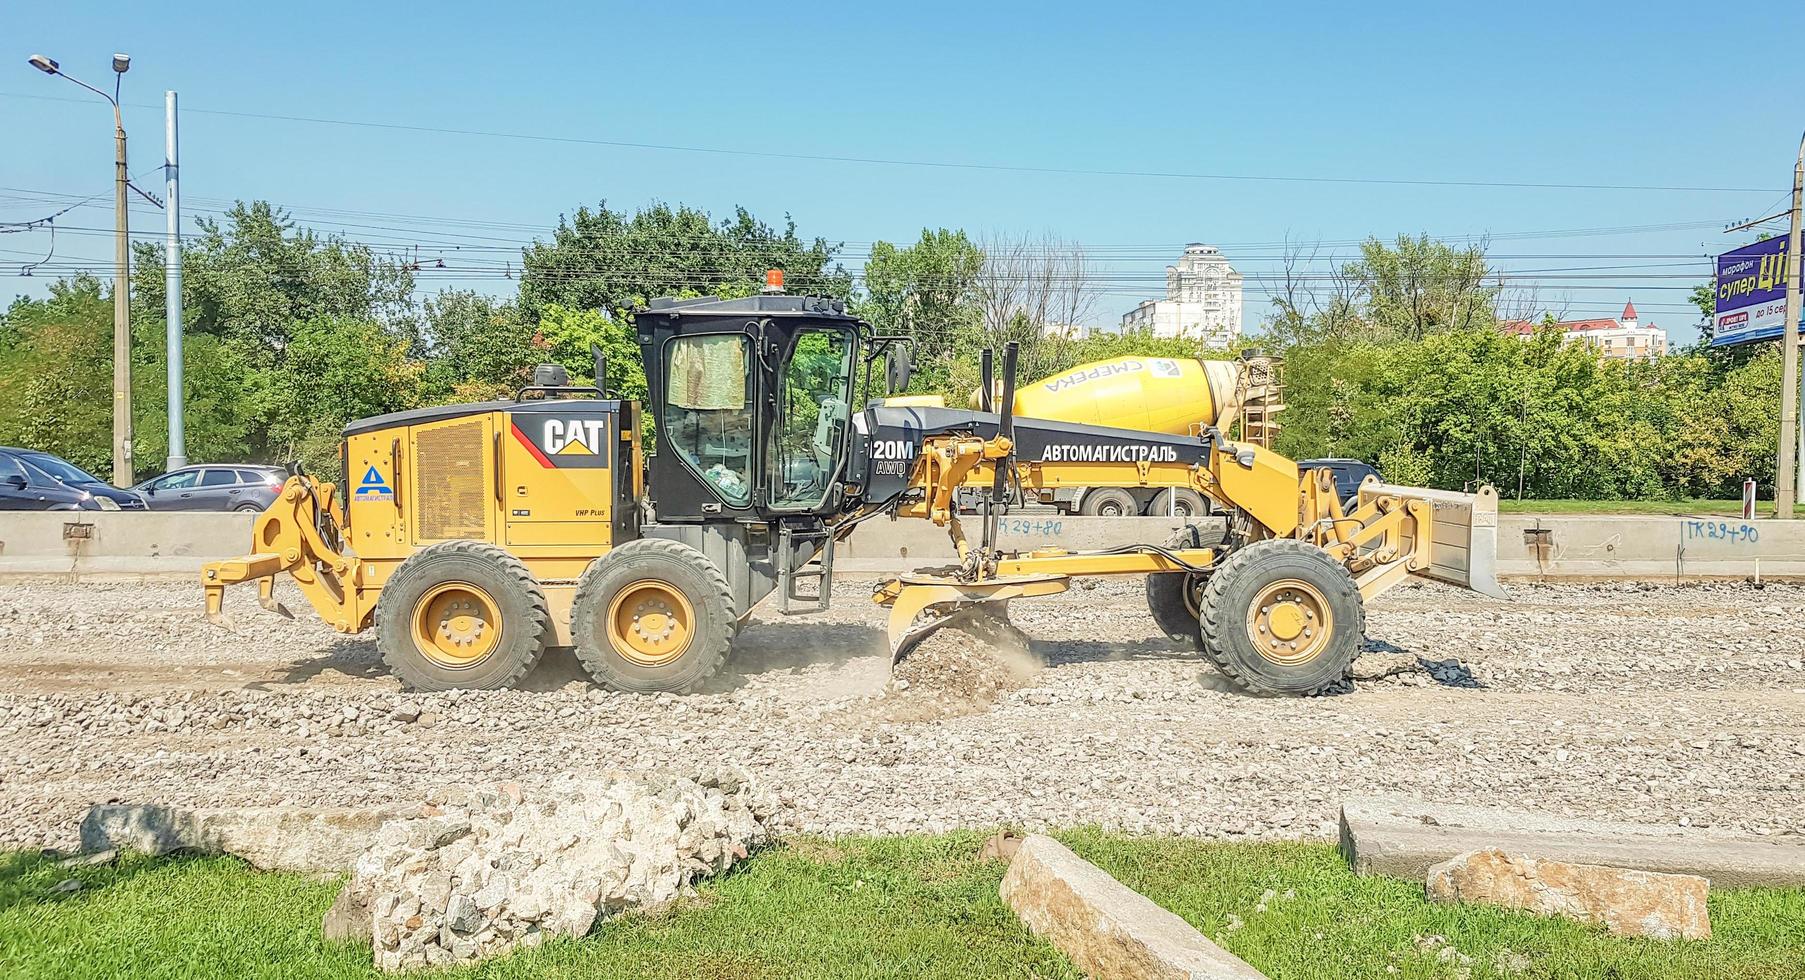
[{"x": 122, "y": 307}]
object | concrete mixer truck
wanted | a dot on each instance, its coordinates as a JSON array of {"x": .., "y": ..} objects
[{"x": 1174, "y": 395}]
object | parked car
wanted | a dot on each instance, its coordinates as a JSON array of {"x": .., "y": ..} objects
[
  {"x": 214, "y": 487},
  {"x": 42, "y": 481},
  {"x": 1348, "y": 474}
]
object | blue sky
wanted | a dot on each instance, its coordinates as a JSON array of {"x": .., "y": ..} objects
[{"x": 1608, "y": 94}]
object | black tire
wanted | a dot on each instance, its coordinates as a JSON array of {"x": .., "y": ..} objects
[
  {"x": 1189, "y": 503},
  {"x": 520, "y": 602},
  {"x": 1228, "y": 604},
  {"x": 248, "y": 509},
  {"x": 678, "y": 567},
  {"x": 1173, "y": 597},
  {"x": 1108, "y": 502}
]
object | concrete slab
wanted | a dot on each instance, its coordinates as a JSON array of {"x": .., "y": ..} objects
[
  {"x": 1403, "y": 838},
  {"x": 1105, "y": 927}
]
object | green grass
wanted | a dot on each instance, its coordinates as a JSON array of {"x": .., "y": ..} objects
[
  {"x": 892, "y": 907},
  {"x": 1684, "y": 507},
  {"x": 895, "y": 907},
  {"x": 1340, "y": 925}
]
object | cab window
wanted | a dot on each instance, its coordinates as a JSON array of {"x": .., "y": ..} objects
[
  {"x": 814, "y": 410},
  {"x": 707, "y": 416}
]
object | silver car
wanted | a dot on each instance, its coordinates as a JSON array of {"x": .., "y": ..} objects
[{"x": 228, "y": 487}]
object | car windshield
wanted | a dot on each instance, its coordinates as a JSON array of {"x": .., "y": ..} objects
[{"x": 63, "y": 470}]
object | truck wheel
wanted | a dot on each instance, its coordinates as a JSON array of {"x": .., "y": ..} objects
[
  {"x": 461, "y": 615},
  {"x": 1282, "y": 617},
  {"x": 1173, "y": 597},
  {"x": 1108, "y": 502},
  {"x": 653, "y": 615},
  {"x": 1177, "y": 501}
]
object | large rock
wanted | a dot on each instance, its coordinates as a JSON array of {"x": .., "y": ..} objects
[
  {"x": 317, "y": 840},
  {"x": 492, "y": 869},
  {"x": 1403, "y": 838},
  {"x": 1105, "y": 927},
  {"x": 1626, "y": 902}
]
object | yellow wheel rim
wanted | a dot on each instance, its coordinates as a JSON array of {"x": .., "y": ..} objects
[
  {"x": 457, "y": 625},
  {"x": 1290, "y": 622},
  {"x": 650, "y": 623}
]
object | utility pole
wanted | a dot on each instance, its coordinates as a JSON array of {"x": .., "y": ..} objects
[
  {"x": 122, "y": 257},
  {"x": 172, "y": 289},
  {"x": 1793, "y": 310},
  {"x": 122, "y": 300},
  {"x": 1786, "y": 480}
]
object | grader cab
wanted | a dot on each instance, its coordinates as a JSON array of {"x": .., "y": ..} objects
[{"x": 473, "y": 537}]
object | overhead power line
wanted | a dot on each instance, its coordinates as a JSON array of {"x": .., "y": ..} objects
[{"x": 933, "y": 164}]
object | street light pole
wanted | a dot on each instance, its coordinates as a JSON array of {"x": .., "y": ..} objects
[
  {"x": 122, "y": 297},
  {"x": 172, "y": 289}
]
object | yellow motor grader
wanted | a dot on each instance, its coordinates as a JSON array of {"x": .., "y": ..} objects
[{"x": 472, "y": 537}]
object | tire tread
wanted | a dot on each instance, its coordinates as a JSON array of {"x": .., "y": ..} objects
[
  {"x": 1217, "y": 622},
  {"x": 538, "y": 620},
  {"x": 718, "y": 628}
]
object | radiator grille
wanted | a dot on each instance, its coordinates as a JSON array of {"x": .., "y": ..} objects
[{"x": 452, "y": 492}]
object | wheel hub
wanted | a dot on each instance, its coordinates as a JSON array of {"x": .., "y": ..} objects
[
  {"x": 650, "y": 623},
  {"x": 1287, "y": 621},
  {"x": 1290, "y": 622},
  {"x": 457, "y": 625}
]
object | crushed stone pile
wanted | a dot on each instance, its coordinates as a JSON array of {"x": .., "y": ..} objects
[
  {"x": 962, "y": 668},
  {"x": 486, "y": 870}
]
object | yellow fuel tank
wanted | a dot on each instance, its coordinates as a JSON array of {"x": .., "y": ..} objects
[{"x": 1177, "y": 395}]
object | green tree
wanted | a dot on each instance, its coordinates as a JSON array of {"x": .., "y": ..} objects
[
  {"x": 476, "y": 347},
  {"x": 253, "y": 276},
  {"x": 605, "y": 260},
  {"x": 335, "y": 370},
  {"x": 566, "y": 335},
  {"x": 56, "y": 374},
  {"x": 928, "y": 292}
]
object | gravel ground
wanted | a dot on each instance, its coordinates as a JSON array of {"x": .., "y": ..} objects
[{"x": 1661, "y": 703}]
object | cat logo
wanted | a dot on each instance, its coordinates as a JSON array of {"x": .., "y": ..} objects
[
  {"x": 571, "y": 437},
  {"x": 564, "y": 443}
]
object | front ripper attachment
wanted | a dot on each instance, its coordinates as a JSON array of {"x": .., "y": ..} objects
[
  {"x": 287, "y": 538},
  {"x": 922, "y": 604}
]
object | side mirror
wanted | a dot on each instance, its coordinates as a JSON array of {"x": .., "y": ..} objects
[
  {"x": 899, "y": 366},
  {"x": 16, "y": 481},
  {"x": 150, "y": 491}
]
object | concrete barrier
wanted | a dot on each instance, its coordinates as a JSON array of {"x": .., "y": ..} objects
[
  {"x": 1652, "y": 547},
  {"x": 120, "y": 546},
  {"x": 117, "y": 546}
]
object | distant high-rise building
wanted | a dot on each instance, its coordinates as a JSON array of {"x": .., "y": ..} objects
[{"x": 1203, "y": 300}]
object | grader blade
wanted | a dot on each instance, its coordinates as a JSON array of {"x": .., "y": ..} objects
[
  {"x": 1463, "y": 535},
  {"x": 921, "y": 605}
]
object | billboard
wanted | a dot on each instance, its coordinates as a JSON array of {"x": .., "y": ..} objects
[{"x": 1751, "y": 293}]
